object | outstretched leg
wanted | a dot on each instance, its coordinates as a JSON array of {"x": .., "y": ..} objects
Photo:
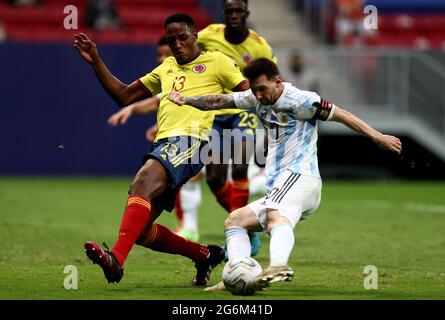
[{"x": 150, "y": 181}]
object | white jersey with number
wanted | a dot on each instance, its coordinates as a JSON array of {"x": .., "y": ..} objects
[{"x": 291, "y": 124}]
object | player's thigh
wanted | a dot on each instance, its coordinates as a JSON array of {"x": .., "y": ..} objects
[
  {"x": 242, "y": 155},
  {"x": 216, "y": 175},
  {"x": 292, "y": 195},
  {"x": 302, "y": 199},
  {"x": 243, "y": 217},
  {"x": 150, "y": 180}
]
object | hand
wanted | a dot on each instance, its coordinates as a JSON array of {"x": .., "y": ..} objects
[
  {"x": 177, "y": 98},
  {"x": 86, "y": 47},
  {"x": 120, "y": 117},
  {"x": 151, "y": 133},
  {"x": 389, "y": 143}
]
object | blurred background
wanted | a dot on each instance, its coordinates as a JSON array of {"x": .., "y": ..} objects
[{"x": 54, "y": 111}]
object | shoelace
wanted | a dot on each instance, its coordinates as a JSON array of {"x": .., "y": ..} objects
[{"x": 105, "y": 245}]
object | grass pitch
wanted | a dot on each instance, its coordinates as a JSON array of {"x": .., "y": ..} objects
[{"x": 396, "y": 226}]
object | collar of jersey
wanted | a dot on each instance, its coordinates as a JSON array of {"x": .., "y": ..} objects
[{"x": 281, "y": 98}]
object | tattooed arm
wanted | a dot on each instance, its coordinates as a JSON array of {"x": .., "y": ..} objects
[{"x": 205, "y": 103}]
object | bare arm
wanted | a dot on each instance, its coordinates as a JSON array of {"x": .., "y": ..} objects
[
  {"x": 122, "y": 93},
  {"x": 205, "y": 103},
  {"x": 145, "y": 106},
  {"x": 386, "y": 142},
  {"x": 140, "y": 107},
  {"x": 151, "y": 132}
]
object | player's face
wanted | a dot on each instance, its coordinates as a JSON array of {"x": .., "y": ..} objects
[
  {"x": 235, "y": 14},
  {"x": 162, "y": 52},
  {"x": 266, "y": 91},
  {"x": 182, "y": 42}
]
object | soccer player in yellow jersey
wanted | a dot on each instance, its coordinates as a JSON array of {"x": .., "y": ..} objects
[
  {"x": 242, "y": 45},
  {"x": 175, "y": 158}
]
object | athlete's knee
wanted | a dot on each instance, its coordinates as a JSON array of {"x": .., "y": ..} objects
[
  {"x": 242, "y": 217},
  {"x": 144, "y": 183},
  {"x": 234, "y": 219},
  {"x": 215, "y": 180},
  {"x": 139, "y": 182},
  {"x": 274, "y": 221}
]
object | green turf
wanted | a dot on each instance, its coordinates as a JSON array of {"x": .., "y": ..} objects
[{"x": 397, "y": 226}]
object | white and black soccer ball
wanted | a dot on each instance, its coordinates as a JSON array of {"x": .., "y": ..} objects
[{"x": 238, "y": 274}]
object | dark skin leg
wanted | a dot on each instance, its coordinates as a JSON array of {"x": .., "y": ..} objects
[
  {"x": 216, "y": 173},
  {"x": 246, "y": 149},
  {"x": 150, "y": 181}
]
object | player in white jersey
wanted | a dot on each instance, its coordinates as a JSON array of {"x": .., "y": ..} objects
[{"x": 293, "y": 180}]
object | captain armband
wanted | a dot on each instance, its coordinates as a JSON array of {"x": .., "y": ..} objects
[{"x": 324, "y": 110}]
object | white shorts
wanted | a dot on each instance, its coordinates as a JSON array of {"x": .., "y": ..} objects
[{"x": 294, "y": 195}]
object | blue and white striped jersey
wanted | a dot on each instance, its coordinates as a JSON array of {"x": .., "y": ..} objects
[{"x": 291, "y": 125}]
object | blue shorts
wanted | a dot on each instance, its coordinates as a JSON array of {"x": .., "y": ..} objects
[
  {"x": 180, "y": 156},
  {"x": 233, "y": 128}
]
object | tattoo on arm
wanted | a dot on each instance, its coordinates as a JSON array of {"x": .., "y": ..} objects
[{"x": 212, "y": 102}]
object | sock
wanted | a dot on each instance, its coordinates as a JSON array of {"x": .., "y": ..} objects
[
  {"x": 240, "y": 193},
  {"x": 238, "y": 243},
  {"x": 160, "y": 238},
  {"x": 223, "y": 196},
  {"x": 281, "y": 243},
  {"x": 179, "y": 211},
  {"x": 135, "y": 218},
  {"x": 190, "y": 200}
]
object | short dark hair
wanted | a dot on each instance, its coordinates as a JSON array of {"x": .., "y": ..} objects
[
  {"x": 180, "y": 18},
  {"x": 163, "y": 41},
  {"x": 245, "y": 1},
  {"x": 257, "y": 67}
]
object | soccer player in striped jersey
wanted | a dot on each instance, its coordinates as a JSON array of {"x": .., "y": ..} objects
[
  {"x": 183, "y": 133},
  {"x": 294, "y": 184},
  {"x": 241, "y": 44}
]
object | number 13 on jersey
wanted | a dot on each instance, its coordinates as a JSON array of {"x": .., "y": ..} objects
[{"x": 178, "y": 83}]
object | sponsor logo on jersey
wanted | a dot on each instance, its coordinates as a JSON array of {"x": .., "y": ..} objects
[
  {"x": 284, "y": 118},
  {"x": 247, "y": 58},
  {"x": 199, "y": 68}
]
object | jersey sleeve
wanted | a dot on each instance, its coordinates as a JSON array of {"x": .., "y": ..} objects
[
  {"x": 228, "y": 73},
  {"x": 267, "y": 52},
  {"x": 244, "y": 99},
  {"x": 152, "y": 81},
  {"x": 202, "y": 37},
  {"x": 314, "y": 107}
]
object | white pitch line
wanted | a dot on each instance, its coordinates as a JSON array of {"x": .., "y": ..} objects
[
  {"x": 425, "y": 207},
  {"x": 411, "y": 206}
]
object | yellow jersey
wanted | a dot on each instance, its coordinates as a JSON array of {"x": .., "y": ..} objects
[
  {"x": 209, "y": 73},
  {"x": 212, "y": 38}
]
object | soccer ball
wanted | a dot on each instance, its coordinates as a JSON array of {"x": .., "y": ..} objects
[{"x": 238, "y": 274}]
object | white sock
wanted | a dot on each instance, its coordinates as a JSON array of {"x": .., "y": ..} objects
[
  {"x": 190, "y": 197},
  {"x": 281, "y": 243},
  {"x": 238, "y": 242}
]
